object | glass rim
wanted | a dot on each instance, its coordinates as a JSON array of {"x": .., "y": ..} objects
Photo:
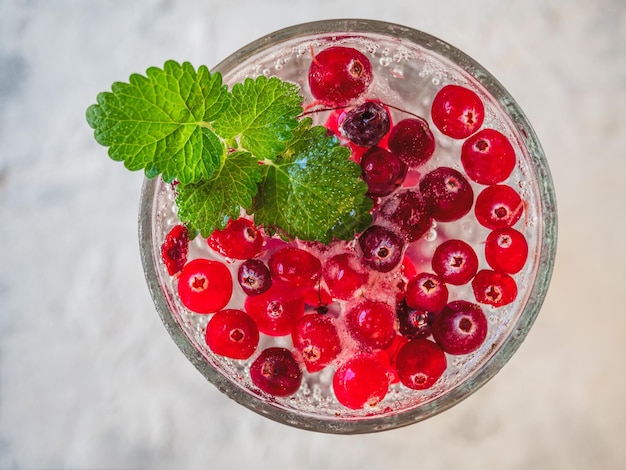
[{"x": 546, "y": 248}]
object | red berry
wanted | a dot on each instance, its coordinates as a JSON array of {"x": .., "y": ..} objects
[
  {"x": 494, "y": 288},
  {"x": 295, "y": 266},
  {"x": 338, "y": 75},
  {"x": 412, "y": 141},
  {"x": 316, "y": 340},
  {"x": 240, "y": 239},
  {"x": 498, "y": 206},
  {"x": 276, "y": 310},
  {"x": 387, "y": 357},
  {"x": 413, "y": 323},
  {"x": 457, "y": 111},
  {"x": 506, "y": 250},
  {"x": 448, "y": 194},
  {"x": 420, "y": 363},
  {"x": 276, "y": 372},
  {"x": 407, "y": 210},
  {"x": 382, "y": 248},
  {"x": 359, "y": 382},
  {"x": 254, "y": 277},
  {"x": 460, "y": 328},
  {"x": 344, "y": 275},
  {"x": 175, "y": 248},
  {"x": 455, "y": 262},
  {"x": 205, "y": 286},
  {"x": 232, "y": 333},
  {"x": 427, "y": 291},
  {"x": 371, "y": 324},
  {"x": 488, "y": 157},
  {"x": 382, "y": 171}
]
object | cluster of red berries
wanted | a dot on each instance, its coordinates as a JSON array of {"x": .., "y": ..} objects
[{"x": 318, "y": 295}]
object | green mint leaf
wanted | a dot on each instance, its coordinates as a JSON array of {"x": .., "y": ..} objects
[
  {"x": 208, "y": 204},
  {"x": 313, "y": 191},
  {"x": 262, "y": 114},
  {"x": 161, "y": 122}
]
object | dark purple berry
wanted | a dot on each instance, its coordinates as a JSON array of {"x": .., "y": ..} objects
[
  {"x": 448, "y": 194},
  {"x": 382, "y": 248},
  {"x": 254, "y": 277},
  {"x": 276, "y": 372},
  {"x": 413, "y": 323},
  {"x": 382, "y": 171},
  {"x": 366, "y": 124}
]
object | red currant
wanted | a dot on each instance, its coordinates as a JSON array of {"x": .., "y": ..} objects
[
  {"x": 254, "y": 277},
  {"x": 407, "y": 210},
  {"x": 338, "y": 75},
  {"x": 426, "y": 291},
  {"x": 232, "y": 333},
  {"x": 488, "y": 157},
  {"x": 457, "y": 111},
  {"x": 344, "y": 275},
  {"x": 382, "y": 248},
  {"x": 275, "y": 371},
  {"x": 316, "y": 339},
  {"x": 174, "y": 249},
  {"x": 366, "y": 124},
  {"x": 494, "y": 288},
  {"x": 506, "y": 250},
  {"x": 205, "y": 286},
  {"x": 498, "y": 206},
  {"x": 371, "y": 323},
  {"x": 455, "y": 262},
  {"x": 295, "y": 266},
  {"x": 412, "y": 141},
  {"x": 420, "y": 363},
  {"x": 382, "y": 171},
  {"x": 276, "y": 310},
  {"x": 413, "y": 323},
  {"x": 448, "y": 194},
  {"x": 359, "y": 382},
  {"x": 240, "y": 239},
  {"x": 460, "y": 328}
]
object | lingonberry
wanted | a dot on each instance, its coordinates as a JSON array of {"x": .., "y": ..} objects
[
  {"x": 382, "y": 171},
  {"x": 420, "y": 363},
  {"x": 232, "y": 333},
  {"x": 240, "y": 239},
  {"x": 413, "y": 323},
  {"x": 494, "y": 288},
  {"x": 295, "y": 266},
  {"x": 316, "y": 340},
  {"x": 360, "y": 381},
  {"x": 276, "y": 310},
  {"x": 406, "y": 209},
  {"x": 460, "y": 328},
  {"x": 412, "y": 141},
  {"x": 175, "y": 248},
  {"x": 457, "y": 111},
  {"x": 488, "y": 157},
  {"x": 506, "y": 250},
  {"x": 371, "y": 323},
  {"x": 275, "y": 371},
  {"x": 344, "y": 275},
  {"x": 498, "y": 206},
  {"x": 382, "y": 248},
  {"x": 426, "y": 291},
  {"x": 254, "y": 277},
  {"x": 205, "y": 286},
  {"x": 455, "y": 262},
  {"x": 338, "y": 75},
  {"x": 448, "y": 194},
  {"x": 366, "y": 124}
]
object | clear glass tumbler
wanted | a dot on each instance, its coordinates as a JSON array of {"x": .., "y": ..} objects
[{"x": 410, "y": 67}]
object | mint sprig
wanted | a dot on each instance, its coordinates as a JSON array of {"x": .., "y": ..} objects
[{"x": 233, "y": 150}]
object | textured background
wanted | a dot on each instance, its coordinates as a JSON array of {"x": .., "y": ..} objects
[{"x": 89, "y": 378}]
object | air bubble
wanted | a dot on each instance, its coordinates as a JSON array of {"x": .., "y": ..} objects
[
  {"x": 385, "y": 61},
  {"x": 431, "y": 235},
  {"x": 266, "y": 72},
  {"x": 436, "y": 81}
]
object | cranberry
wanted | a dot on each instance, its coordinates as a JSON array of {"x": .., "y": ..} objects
[
  {"x": 275, "y": 371},
  {"x": 498, "y": 206},
  {"x": 276, "y": 310},
  {"x": 420, "y": 363},
  {"x": 232, "y": 333},
  {"x": 460, "y": 328},
  {"x": 174, "y": 249},
  {"x": 359, "y": 382},
  {"x": 457, "y": 111},
  {"x": 344, "y": 275},
  {"x": 506, "y": 250},
  {"x": 240, "y": 239},
  {"x": 254, "y": 277},
  {"x": 382, "y": 248},
  {"x": 488, "y": 157},
  {"x": 494, "y": 288},
  {"x": 448, "y": 195},
  {"x": 316, "y": 339},
  {"x": 338, "y": 75},
  {"x": 366, "y": 124},
  {"x": 413, "y": 323},
  {"x": 407, "y": 210},
  {"x": 295, "y": 266},
  {"x": 427, "y": 291},
  {"x": 205, "y": 286},
  {"x": 382, "y": 171},
  {"x": 371, "y": 324},
  {"x": 412, "y": 141},
  {"x": 455, "y": 262}
]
